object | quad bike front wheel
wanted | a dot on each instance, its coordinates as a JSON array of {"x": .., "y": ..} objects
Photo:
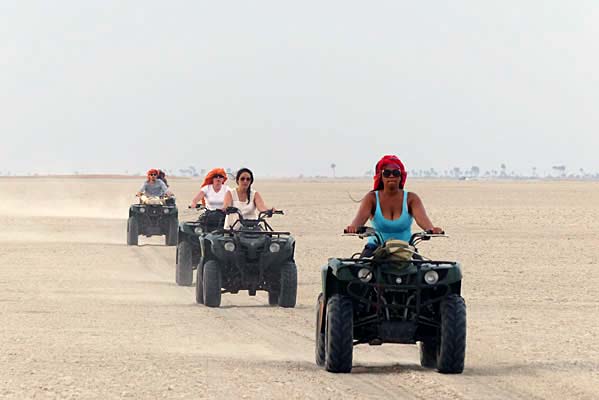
[
  {"x": 452, "y": 347},
  {"x": 170, "y": 239},
  {"x": 339, "y": 334},
  {"x": 212, "y": 284},
  {"x": 184, "y": 268},
  {"x": 132, "y": 231},
  {"x": 288, "y": 290}
]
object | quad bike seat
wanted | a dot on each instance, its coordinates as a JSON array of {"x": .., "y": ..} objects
[
  {"x": 395, "y": 250},
  {"x": 152, "y": 200}
]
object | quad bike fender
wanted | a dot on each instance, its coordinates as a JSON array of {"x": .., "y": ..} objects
[
  {"x": 332, "y": 275},
  {"x": 173, "y": 211},
  {"x": 321, "y": 306},
  {"x": 206, "y": 251},
  {"x": 454, "y": 275},
  {"x": 187, "y": 229},
  {"x": 134, "y": 210}
]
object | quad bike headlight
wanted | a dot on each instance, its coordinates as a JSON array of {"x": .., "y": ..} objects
[
  {"x": 274, "y": 247},
  {"x": 365, "y": 275},
  {"x": 229, "y": 246},
  {"x": 166, "y": 211},
  {"x": 142, "y": 210},
  {"x": 431, "y": 277},
  {"x": 198, "y": 230}
]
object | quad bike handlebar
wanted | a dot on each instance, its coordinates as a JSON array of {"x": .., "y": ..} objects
[
  {"x": 262, "y": 215},
  {"x": 367, "y": 231}
]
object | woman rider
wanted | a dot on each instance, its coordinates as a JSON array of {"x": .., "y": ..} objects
[
  {"x": 152, "y": 186},
  {"x": 390, "y": 208},
  {"x": 244, "y": 198},
  {"x": 213, "y": 190}
]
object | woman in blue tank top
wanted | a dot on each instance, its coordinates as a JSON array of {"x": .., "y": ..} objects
[{"x": 390, "y": 208}]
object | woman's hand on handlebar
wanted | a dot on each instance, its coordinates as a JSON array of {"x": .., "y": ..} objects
[
  {"x": 351, "y": 229},
  {"x": 436, "y": 230}
]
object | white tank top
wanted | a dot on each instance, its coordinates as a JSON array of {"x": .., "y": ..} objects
[
  {"x": 248, "y": 211},
  {"x": 214, "y": 200}
]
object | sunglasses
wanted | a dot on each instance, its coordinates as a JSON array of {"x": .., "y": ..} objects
[
  {"x": 218, "y": 176},
  {"x": 152, "y": 174},
  {"x": 245, "y": 178},
  {"x": 388, "y": 172}
]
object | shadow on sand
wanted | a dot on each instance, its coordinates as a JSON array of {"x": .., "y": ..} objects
[{"x": 384, "y": 369}]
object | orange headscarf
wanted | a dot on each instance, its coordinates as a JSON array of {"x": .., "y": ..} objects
[
  {"x": 393, "y": 162},
  {"x": 210, "y": 176},
  {"x": 151, "y": 171}
]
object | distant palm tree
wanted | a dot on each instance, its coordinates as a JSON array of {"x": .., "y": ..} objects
[
  {"x": 333, "y": 166},
  {"x": 560, "y": 169},
  {"x": 457, "y": 172}
]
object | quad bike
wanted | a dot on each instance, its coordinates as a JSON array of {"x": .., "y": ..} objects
[
  {"x": 153, "y": 216},
  {"x": 395, "y": 296},
  {"x": 188, "y": 245},
  {"x": 249, "y": 256}
]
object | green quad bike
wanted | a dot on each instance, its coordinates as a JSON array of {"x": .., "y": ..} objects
[
  {"x": 395, "y": 296},
  {"x": 250, "y": 256},
  {"x": 188, "y": 246},
  {"x": 153, "y": 216}
]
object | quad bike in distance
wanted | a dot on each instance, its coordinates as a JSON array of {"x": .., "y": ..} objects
[
  {"x": 153, "y": 216},
  {"x": 250, "y": 256},
  {"x": 188, "y": 242}
]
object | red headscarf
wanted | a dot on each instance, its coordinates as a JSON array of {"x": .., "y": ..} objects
[
  {"x": 392, "y": 162},
  {"x": 210, "y": 176}
]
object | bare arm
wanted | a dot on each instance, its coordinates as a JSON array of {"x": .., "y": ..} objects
[
  {"x": 198, "y": 197},
  {"x": 364, "y": 212},
  {"x": 228, "y": 200},
  {"x": 417, "y": 210},
  {"x": 260, "y": 203}
]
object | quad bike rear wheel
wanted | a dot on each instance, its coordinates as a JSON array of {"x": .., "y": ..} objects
[
  {"x": 288, "y": 290},
  {"x": 320, "y": 349},
  {"x": 273, "y": 298},
  {"x": 452, "y": 347},
  {"x": 339, "y": 334},
  {"x": 200, "y": 285},
  {"x": 212, "y": 284},
  {"x": 184, "y": 269},
  {"x": 428, "y": 353},
  {"x": 132, "y": 231}
]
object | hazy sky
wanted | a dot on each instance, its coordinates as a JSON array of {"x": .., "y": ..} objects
[{"x": 290, "y": 87}]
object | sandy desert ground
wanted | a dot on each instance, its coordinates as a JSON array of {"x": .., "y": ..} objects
[{"x": 85, "y": 316}]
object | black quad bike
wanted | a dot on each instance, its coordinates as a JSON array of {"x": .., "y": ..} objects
[
  {"x": 394, "y": 296},
  {"x": 153, "y": 216},
  {"x": 250, "y": 256},
  {"x": 188, "y": 246}
]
